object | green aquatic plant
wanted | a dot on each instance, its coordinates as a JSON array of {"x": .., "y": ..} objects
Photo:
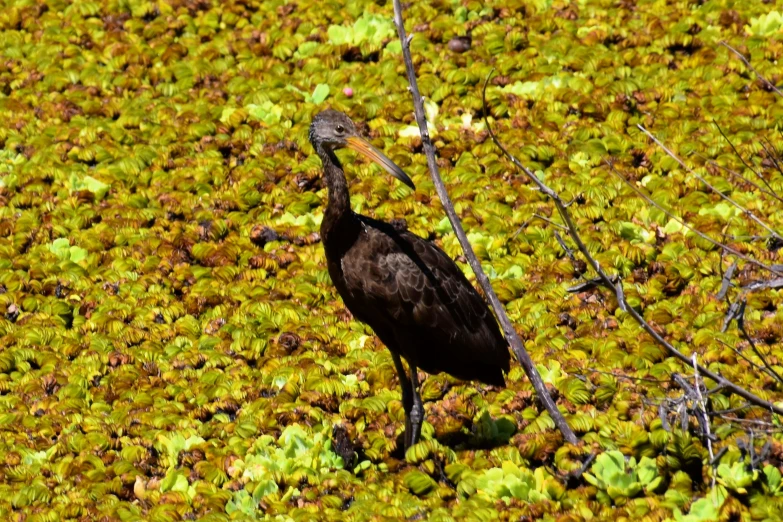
[
  {"x": 489, "y": 431},
  {"x": 266, "y": 112},
  {"x": 773, "y": 480},
  {"x": 370, "y": 28},
  {"x": 88, "y": 183},
  {"x": 766, "y": 25},
  {"x": 618, "y": 479},
  {"x": 511, "y": 481},
  {"x": 705, "y": 509},
  {"x": 295, "y": 455},
  {"x": 737, "y": 477},
  {"x": 174, "y": 444},
  {"x": 63, "y": 249}
]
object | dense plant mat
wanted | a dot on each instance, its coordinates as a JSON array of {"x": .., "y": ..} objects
[{"x": 171, "y": 346}]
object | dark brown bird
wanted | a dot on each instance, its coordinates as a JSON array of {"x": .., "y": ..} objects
[{"x": 411, "y": 293}]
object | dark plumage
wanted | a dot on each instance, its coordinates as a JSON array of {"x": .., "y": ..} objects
[{"x": 408, "y": 290}]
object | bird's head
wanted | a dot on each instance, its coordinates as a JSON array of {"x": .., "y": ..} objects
[{"x": 332, "y": 130}]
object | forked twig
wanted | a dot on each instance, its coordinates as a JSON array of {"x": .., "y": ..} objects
[
  {"x": 740, "y": 318},
  {"x": 695, "y": 231},
  {"x": 703, "y": 415},
  {"x": 771, "y": 153},
  {"x": 739, "y": 176},
  {"x": 723, "y": 196},
  {"x": 754, "y": 171},
  {"x": 721, "y": 381}
]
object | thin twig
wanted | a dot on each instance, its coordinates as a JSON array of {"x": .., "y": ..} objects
[
  {"x": 737, "y": 352},
  {"x": 572, "y": 478},
  {"x": 568, "y": 251},
  {"x": 629, "y": 377},
  {"x": 717, "y": 457},
  {"x": 522, "y": 227},
  {"x": 544, "y": 218},
  {"x": 481, "y": 277},
  {"x": 573, "y": 232},
  {"x": 695, "y": 231},
  {"x": 754, "y": 171},
  {"x": 718, "y": 413},
  {"x": 741, "y": 326},
  {"x": 589, "y": 284},
  {"x": 723, "y": 196},
  {"x": 527, "y": 222},
  {"x": 663, "y": 413},
  {"x": 757, "y": 422},
  {"x": 749, "y": 66},
  {"x": 703, "y": 410},
  {"x": 740, "y": 176},
  {"x": 771, "y": 154},
  {"x": 726, "y": 281}
]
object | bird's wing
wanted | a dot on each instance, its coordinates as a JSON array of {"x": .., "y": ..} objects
[{"x": 423, "y": 290}]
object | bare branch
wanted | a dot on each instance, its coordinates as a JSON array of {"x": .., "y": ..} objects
[
  {"x": 718, "y": 413},
  {"x": 737, "y": 352},
  {"x": 726, "y": 281},
  {"x": 749, "y": 66},
  {"x": 568, "y": 251},
  {"x": 773, "y": 284},
  {"x": 481, "y": 277},
  {"x": 735, "y": 311},
  {"x": 572, "y": 478},
  {"x": 704, "y": 419},
  {"x": 544, "y": 218},
  {"x": 741, "y": 326},
  {"x": 589, "y": 284},
  {"x": 737, "y": 175},
  {"x": 754, "y": 171},
  {"x": 628, "y": 377},
  {"x": 572, "y": 230},
  {"x": 771, "y": 153},
  {"x": 695, "y": 231},
  {"x": 745, "y": 211},
  {"x": 717, "y": 457}
]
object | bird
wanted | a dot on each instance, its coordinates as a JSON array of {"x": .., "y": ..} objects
[{"x": 411, "y": 293}]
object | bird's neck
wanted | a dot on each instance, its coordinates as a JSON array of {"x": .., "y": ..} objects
[
  {"x": 339, "y": 198},
  {"x": 340, "y": 226}
]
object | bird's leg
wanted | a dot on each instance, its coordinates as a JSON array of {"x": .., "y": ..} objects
[
  {"x": 417, "y": 411},
  {"x": 407, "y": 398}
]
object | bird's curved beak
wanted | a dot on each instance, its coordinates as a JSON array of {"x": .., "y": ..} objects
[{"x": 365, "y": 148}]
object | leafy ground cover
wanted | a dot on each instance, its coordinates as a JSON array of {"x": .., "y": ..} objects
[{"x": 171, "y": 346}]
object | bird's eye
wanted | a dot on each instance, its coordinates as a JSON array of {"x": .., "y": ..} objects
[{"x": 340, "y": 129}]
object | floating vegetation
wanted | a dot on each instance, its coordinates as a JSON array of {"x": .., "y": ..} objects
[{"x": 171, "y": 346}]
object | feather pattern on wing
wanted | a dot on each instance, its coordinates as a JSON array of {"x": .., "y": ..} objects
[{"x": 414, "y": 296}]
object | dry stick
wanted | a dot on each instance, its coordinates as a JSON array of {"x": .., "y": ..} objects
[
  {"x": 754, "y": 171},
  {"x": 544, "y": 218},
  {"x": 771, "y": 153},
  {"x": 737, "y": 352},
  {"x": 703, "y": 407},
  {"x": 695, "y": 231},
  {"x": 726, "y": 280},
  {"x": 508, "y": 329},
  {"x": 741, "y": 325},
  {"x": 618, "y": 289},
  {"x": 749, "y": 66},
  {"x": 718, "y": 413},
  {"x": 745, "y": 211},
  {"x": 628, "y": 377},
  {"x": 527, "y": 222}
]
